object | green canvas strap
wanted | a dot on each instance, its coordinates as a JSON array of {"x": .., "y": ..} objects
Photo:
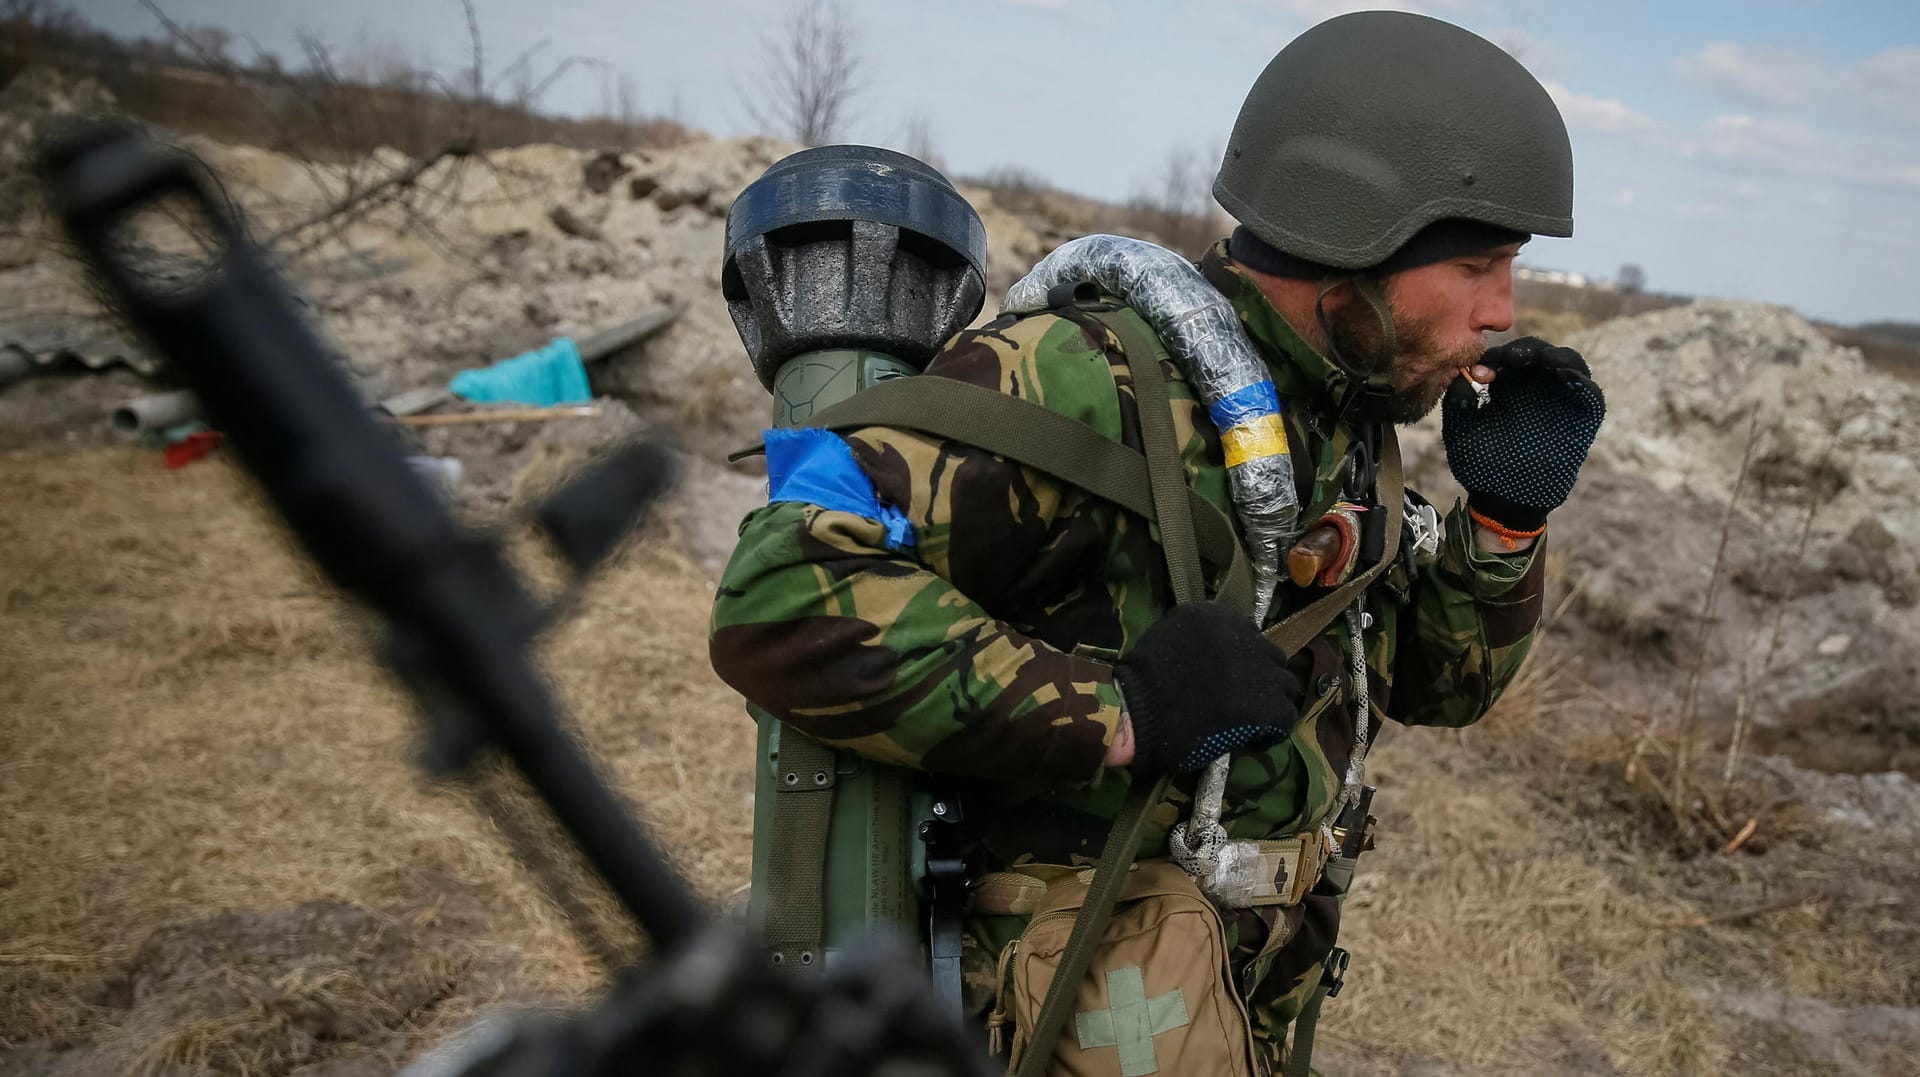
[
  {"x": 1116, "y": 858},
  {"x": 1300, "y": 1054},
  {"x": 1047, "y": 441},
  {"x": 1166, "y": 471},
  {"x": 1167, "y": 477},
  {"x": 797, "y": 855},
  {"x": 1333, "y": 975}
]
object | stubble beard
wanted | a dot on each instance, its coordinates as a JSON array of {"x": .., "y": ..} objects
[{"x": 1417, "y": 370}]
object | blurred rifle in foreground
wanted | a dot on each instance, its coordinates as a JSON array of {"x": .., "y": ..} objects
[{"x": 462, "y": 627}]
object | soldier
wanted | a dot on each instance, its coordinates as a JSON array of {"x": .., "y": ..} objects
[{"x": 1011, "y": 630}]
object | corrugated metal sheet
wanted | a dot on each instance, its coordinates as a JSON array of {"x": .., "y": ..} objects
[{"x": 86, "y": 348}]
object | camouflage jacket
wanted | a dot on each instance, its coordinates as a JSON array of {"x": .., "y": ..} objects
[{"x": 981, "y": 646}]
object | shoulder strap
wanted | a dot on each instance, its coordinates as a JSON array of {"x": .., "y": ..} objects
[
  {"x": 1167, "y": 479},
  {"x": 1166, "y": 471},
  {"x": 1299, "y": 628},
  {"x": 1123, "y": 842},
  {"x": 1116, "y": 859},
  {"x": 1067, "y": 449}
]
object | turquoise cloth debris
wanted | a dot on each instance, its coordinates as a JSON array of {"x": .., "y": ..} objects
[{"x": 542, "y": 378}]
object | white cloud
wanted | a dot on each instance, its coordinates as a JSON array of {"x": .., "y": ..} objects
[
  {"x": 1604, "y": 114},
  {"x": 1756, "y": 73},
  {"x": 1775, "y": 140},
  {"x": 1889, "y": 82},
  {"x": 1542, "y": 57},
  {"x": 1747, "y": 189},
  {"x": 1789, "y": 146},
  {"x": 1625, "y": 197}
]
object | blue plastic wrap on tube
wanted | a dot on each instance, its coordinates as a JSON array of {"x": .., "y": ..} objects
[{"x": 542, "y": 378}]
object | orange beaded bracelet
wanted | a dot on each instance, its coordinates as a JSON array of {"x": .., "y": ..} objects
[{"x": 1508, "y": 537}]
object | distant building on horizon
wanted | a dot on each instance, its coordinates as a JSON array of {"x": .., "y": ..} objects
[{"x": 1563, "y": 277}]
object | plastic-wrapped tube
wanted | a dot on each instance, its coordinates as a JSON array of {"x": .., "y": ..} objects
[{"x": 1205, "y": 338}]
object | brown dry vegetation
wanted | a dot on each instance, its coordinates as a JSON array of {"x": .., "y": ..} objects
[
  {"x": 336, "y": 108},
  {"x": 197, "y": 744},
  {"x": 1526, "y": 913}
]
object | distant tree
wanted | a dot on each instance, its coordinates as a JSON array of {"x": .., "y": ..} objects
[
  {"x": 1907, "y": 332},
  {"x": 210, "y": 42},
  {"x": 916, "y": 138},
  {"x": 620, "y": 98},
  {"x": 1177, "y": 206},
  {"x": 1633, "y": 279},
  {"x": 809, "y": 73}
]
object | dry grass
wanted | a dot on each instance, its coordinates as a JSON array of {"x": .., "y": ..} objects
[
  {"x": 191, "y": 724},
  {"x": 1491, "y": 933},
  {"x": 1526, "y": 913}
]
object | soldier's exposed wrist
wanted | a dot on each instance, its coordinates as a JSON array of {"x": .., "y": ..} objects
[
  {"x": 1491, "y": 541},
  {"x": 1120, "y": 750}
]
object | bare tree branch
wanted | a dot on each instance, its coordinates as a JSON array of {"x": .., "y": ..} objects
[
  {"x": 808, "y": 76},
  {"x": 391, "y": 186},
  {"x": 479, "y": 64}
]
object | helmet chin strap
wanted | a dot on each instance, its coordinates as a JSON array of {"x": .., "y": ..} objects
[{"x": 1359, "y": 383}]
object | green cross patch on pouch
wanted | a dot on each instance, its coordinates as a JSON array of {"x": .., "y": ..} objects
[{"x": 1131, "y": 1021}]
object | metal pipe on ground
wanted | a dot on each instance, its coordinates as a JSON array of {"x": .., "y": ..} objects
[
  {"x": 158, "y": 412},
  {"x": 627, "y": 334}
]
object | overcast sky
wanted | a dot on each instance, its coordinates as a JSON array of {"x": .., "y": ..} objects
[{"x": 1760, "y": 149}]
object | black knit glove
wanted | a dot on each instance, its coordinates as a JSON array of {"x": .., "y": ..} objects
[
  {"x": 1202, "y": 682},
  {"x": 1518, "y": 456}
]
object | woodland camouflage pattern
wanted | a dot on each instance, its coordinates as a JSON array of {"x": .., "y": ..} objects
[{"x": 984, "y": 652}]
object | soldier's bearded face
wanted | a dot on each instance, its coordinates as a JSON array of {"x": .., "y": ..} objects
[{"x": 1441, "y": 313}]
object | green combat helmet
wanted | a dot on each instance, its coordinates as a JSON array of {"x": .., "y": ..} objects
[{"x": 1371, "y": 126}]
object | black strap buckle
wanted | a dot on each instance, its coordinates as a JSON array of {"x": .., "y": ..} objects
[
  {"x": 1334, "y": 975},
  {"x": 946, "y": 897}
]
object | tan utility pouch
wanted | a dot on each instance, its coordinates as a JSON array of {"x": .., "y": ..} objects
[{"x": 1158, "y": 996}]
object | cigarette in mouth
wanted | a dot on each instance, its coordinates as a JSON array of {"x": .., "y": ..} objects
[{"x": 1482, "y": 395}]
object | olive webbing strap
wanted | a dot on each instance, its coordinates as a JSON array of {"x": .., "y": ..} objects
[
  {"x": 1300, "y": 628},
  {"x": 1167, "y": 475},
  {"x": 794, "y": 931},
  {"x": 1116, "y": 857},
  {"x": 1064, "y": 448},
  {"x": 1300, "y": 1054},
  {"x": 1166, "y": 471}
]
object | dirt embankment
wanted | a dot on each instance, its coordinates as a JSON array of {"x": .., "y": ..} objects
[{"x": 216, "y": 858}]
